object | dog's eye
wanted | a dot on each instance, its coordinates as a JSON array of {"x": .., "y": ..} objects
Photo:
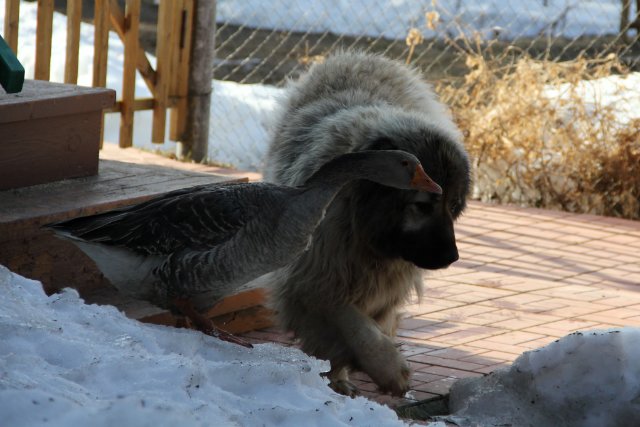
[{"x": 455, "y": 208}]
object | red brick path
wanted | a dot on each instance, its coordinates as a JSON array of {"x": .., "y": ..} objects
[{"x": 525, "y": 278}]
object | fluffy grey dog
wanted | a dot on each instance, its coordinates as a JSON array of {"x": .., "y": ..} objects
[{"x": 341, "y": 298}]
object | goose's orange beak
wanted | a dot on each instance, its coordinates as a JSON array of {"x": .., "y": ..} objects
[{"x": 422, "y": 182}]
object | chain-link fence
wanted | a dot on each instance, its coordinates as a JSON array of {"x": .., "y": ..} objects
[
  {"x": 266, "y": 42},
  {"x": 452, "y": 41}
]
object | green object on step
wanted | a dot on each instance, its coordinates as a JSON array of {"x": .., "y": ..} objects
[{"x": 11, "y": 70}]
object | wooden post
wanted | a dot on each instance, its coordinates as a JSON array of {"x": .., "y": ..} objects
[
  {"x": 131, "y": 46},
  {"x": 43, "y": 39},
  {"x": 119, "y": 24},
  {"x": 74, "y": 16},
  {"x": 100, "y": 42},
  {"x": 196, "y": 139},
  {"x": 100, "y": 47},
  {"x": 11, "y": 20},
  {"x": 180, "y": 86},
  {"x": 165, "y": 43}
]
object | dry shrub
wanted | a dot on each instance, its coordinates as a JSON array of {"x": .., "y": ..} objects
[{"x": 536, "y": 141}]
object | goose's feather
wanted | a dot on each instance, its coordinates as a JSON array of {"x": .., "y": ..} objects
[{"x": 196, "y": 218}]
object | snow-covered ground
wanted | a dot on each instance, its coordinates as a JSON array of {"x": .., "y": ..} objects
[
  {"x": 64, "y": 363},
  {"x": 621, "y": 94}
]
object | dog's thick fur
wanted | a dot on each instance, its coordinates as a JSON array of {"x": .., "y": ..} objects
[{"x": 342, "y": 297}]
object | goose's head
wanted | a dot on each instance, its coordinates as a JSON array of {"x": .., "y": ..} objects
[
  {"x": 395, "y": 168},
  {"x": 391, "y": 168}
]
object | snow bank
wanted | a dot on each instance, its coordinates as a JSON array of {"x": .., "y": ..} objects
[
  {"x": 65, "y": 363},
  {"x": 586, "y": 379},
  {"x": 621, "y": 94}
]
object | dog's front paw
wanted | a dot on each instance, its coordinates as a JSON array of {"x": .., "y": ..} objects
[
  {"x": 344, "y": 387},
  {"x": 389, "y": 370}
]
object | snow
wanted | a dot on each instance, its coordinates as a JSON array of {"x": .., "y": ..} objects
[
  {"x": 66, "y": 363},
  {"x": 392, "y": 19},
  {"x": 240, "y": 121},
  {"x": 621, "y": 94},
  {"x": 586, "y": 379}
]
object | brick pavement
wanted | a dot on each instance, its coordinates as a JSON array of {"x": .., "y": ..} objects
[{"x": 525, "y": 278}]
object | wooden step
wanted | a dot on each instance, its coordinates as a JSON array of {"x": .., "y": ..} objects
[
  {"x": 33, "y": 252},
  {"x": 237, "y": 314},
  {"x": 50, "y": 131}
]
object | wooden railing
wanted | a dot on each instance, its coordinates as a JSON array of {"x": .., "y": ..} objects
[{"x": 168, "y": 82}]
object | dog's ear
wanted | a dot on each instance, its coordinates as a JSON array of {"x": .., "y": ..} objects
[{"x": 382, "y": 143}]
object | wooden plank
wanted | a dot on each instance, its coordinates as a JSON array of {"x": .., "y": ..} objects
[
  {"x": 240, "y": 318},
  {"x": 88, "y": 196},
  {"x": 240, "y": 322},
  {"x": 39, "y": 255},
  {"x": 246, "y": 320},
  {"x": 11, "y": 23},
  {"x": 131, "y": 47},
  {"x": 45, "y": 99},
  {"x": 119, "y": 179},
  {"x": 100, "y": 43},
  {"x": 49, "y": 149},
  {"x": 74, "y": 16},
  {"x": 138, "y": 105},
  {"x": 50, "y": 131},
  {"x": 164, "y": 53},
  {"x": 144, "y": 67},
  {"x": 43, "y": 39},
  {"x": 101, "y": 23},
  {"x": 183, "y": 20},
  {"x": 241, "y": 301}
]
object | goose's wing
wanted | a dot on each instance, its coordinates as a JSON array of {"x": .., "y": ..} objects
[{"x": 195, "y": 218}]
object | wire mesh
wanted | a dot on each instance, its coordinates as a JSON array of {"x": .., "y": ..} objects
[
  {"x": 271, "y": 42},
  {"x": 267, "y": 42}
]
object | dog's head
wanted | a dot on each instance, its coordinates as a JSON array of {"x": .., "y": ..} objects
[{"x": 412, "y": 225}]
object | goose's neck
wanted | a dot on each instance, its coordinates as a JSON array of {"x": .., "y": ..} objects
[{"x": 337, "y": 172}]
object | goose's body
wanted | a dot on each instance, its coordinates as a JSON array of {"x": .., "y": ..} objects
[
  {"x": 194, "y": 241},
  {"x": 200, "y": 244}
]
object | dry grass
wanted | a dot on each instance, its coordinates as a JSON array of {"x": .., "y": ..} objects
[{"x": 535, "y": 149}]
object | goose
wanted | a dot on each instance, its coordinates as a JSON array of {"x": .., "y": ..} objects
[{"x": 189, "y": 248}]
